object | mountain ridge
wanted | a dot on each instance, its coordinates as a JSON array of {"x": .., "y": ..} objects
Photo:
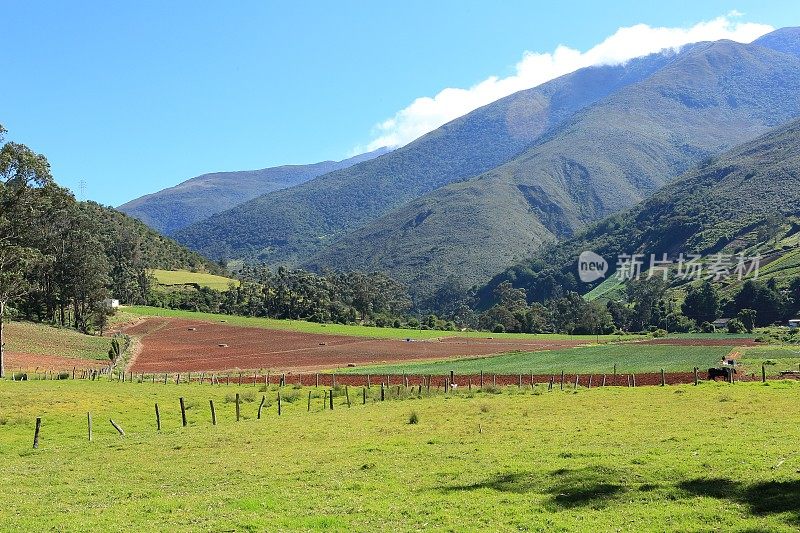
[
  {"x": 288, "y": 226},
  {"x": 195, "y": 199},
  {"x": 605, "y": 158}
]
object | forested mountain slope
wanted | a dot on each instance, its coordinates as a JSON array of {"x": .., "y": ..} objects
[
  {"x": 198, "y": 198},
  {"x": 288, "y": 226},
  {"x": 607, "y": 157},
  {"x": 736, "y": 202}
]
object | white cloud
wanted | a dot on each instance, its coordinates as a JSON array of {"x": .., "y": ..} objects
[{"x": 428, "y": 113}]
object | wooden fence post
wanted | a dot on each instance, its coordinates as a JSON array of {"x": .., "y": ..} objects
[
  {"x": 89, "y": 421},
  {"x": 363, "y": 396},
  {"x": 383, "y": 391},
  {"x": 279, "y": 403},
  {"x": 696, "y": 380},
  {"x": 261, "y": 406},
  {"x": 213, "y": 413},
  {"x": 347, "y": 395},
  {"x": 238, "y": 408},
  {"x": 309, "y": 401},
  {"x": 183, "y": 412},
  {"x": 562, "y": 380},
  {"x": 240, "y": 379},
  {"x": 116, "y": 426},
  {"x": 590, "y": 380},
  {"x": 663, "y": 381},
  {"x": 158, "y": 419},
  {"x": 763, "y": 374},
  {"x": 481, "y": 380},
  {"x": 634, "y": 379},
  {"x": 330, "y": 400},
  {"x": 604, "y": 380},
  {"x": 368, "y": 384},
  {"x": 577, "y": 377},
  {"x": 36, "y": 432}
]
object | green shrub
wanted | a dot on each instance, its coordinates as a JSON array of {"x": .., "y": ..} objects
[
  {"x": 413, "y": 418},
  {"x": 736, "y": 326},
  {"x": 659, "y": 333}
]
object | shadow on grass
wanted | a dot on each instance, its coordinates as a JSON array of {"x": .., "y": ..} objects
[
  {"x": 567, "y": 488},
  {"x": 766, "y": 498}
]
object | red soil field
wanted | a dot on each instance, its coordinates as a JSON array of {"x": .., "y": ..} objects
[{"x": 181, "y": 345}]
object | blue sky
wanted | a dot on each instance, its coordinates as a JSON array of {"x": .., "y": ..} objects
[{"x": 135, "y": 97}]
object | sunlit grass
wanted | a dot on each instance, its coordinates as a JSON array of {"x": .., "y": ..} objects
[{"x": 683, "y": 458}]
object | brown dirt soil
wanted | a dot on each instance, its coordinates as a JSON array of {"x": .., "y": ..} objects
[{"x": 171, "y": 345}]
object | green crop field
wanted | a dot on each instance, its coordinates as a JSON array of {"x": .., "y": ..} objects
[
  {"x": 599, "y": 359},
  {"x": 608, "y": 459},
  {"x": 182, "y": 277},
  {"x": 351, "y": 330},
  {"x": 775, "y": 358},
  {"x": 41, "y": 339}
]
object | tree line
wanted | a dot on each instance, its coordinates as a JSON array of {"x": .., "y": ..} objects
[
  {"x": 646, "y": 305},
  {"x": 60, "y": 258},
  {"x": 351, "y": 297}
]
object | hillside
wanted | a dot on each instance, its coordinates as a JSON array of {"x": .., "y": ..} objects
[
  {"x": 289, "y": 226},
  {"x": 198, "y": 198},
  {"x": 747, "y": 199},
  {"x": 123, "y": 235},
  {"x": 606, "y": 158}
]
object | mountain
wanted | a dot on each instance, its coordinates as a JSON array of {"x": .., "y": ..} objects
[
  {"x": 744, "y": 200},
  {"x": 198, "y": 198},
  {"x": 289, "y": 226},
  {"x": 786, "y": 40},
  {"x": 123, "y": 235},
  {"x": 605, "y": 158}
]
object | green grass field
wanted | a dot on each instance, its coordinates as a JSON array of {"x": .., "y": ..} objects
[
  {"x": 714, "y": 457},
  {"x": 41, "y": 339},
  {"x": 599, "y": 359},
  {"x": 358, "y": 331},
  {"x": 181, "y": 277},
  {"x": 776, "y": 358}
]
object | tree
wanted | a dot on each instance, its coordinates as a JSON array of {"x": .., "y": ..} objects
[
  {"x": 735, "y": 326},
  {"x": 768, "y": 303},
  {"x": 748, "y": 319},
  {"x": 702, "y": 303},
  {"x": 512, "y": 299},
  {"x": 20, "y": 170},
  {"x": 645, "y": 295}
]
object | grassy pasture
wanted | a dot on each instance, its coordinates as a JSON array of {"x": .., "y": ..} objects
[
  {"x": 775, "y": 357},
  {"x": 182, "y": 277},
  {"x": 41, "y": 339},
  {"x": 599, "y": 359},
  {"x": 686, "y": 458}
]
